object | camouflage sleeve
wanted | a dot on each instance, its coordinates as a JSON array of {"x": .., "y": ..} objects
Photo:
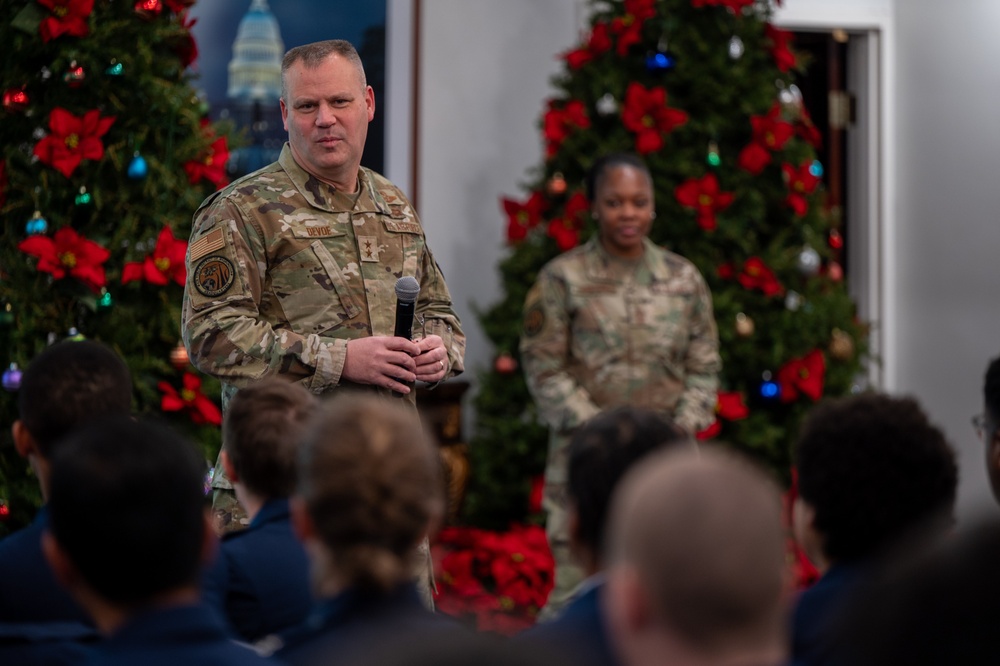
[
  {"x": 435, "y": 310},
  {"x": 545, "y": 346},
  {"x": 696, "y": 406},
  {"x": 220, "y": 321}
]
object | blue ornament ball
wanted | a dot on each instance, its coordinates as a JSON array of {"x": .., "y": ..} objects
[
  {"x": 137, "y": 168},
  {"x": 36, "y": 225},
  {"x": 660, "y": 62}
]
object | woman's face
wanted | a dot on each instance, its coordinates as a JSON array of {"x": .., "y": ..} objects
[{"x": 623, "y": 206}]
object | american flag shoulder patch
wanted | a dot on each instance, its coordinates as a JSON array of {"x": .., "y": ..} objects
[{"x": 208, "y": 243}]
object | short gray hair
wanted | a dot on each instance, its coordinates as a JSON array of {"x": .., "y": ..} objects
[{"x": 313, "y": 54}]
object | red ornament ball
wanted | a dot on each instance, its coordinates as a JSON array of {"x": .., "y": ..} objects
[
  {"x": 15, "y": 99},
  {"x": 835, "y": 271},
  {"x": 836, "y": 240},
  {"x": 148, "y": 9},
  {"x": 556, "y": 185},
  {"x": 505, "y": 364},
  {"x": 4, "y": 512}
]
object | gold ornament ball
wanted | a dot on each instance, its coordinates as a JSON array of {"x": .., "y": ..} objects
[
  {"x": 505, "y": 364},
  {"x": 841, "y": 345},
  {"x": 744, "y": 325},
  {"x": 179, "y": 357},
  {"x": 556, "y": 185}
]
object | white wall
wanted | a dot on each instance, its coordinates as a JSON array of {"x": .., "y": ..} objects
[
  {"x": 485, "y": 69},
  {"x": 947, "y": 201}
]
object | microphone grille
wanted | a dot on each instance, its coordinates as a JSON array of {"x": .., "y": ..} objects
[{"x": 407, "y": 289}]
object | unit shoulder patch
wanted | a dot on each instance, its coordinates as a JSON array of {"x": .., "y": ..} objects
[{"x": 214, "y": 276}]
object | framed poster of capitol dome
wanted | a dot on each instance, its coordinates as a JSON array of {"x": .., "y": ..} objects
[{"x": 238, "y": 71}]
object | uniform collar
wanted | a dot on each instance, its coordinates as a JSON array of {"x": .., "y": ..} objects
[
  {"x": 326, "y": 197},
  {"x": 598, "y": 261}
]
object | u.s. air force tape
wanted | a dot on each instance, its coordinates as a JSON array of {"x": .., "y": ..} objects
[{"x": 214, "y": 276}]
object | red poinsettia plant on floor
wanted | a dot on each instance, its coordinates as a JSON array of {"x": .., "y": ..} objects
[{"x": 498, "y": 581}]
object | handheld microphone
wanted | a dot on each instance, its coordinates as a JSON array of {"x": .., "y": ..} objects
[{"x": 407, "y": 290}]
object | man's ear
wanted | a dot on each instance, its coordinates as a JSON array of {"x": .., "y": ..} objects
[
  {"x": 227, "y": 467},
  {"x": 62, "y": 566},
  {"x": 302, "y": 522},
  {"x": 627, "y": 601},
  {"x": 24, "y": 442}
]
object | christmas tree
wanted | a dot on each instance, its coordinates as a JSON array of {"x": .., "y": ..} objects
[
  {"x": 704, "y": 91},
  {"x": 106, "y": 154}
]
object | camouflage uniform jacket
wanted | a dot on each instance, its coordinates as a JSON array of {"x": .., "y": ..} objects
[
  {"x": 600, "y": 333},
  {"x": 283, "y": 270}
]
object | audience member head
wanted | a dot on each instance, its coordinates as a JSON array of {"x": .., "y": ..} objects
[
  {"x": 370, "y": 489},
  {"x": 67, "y": 385},
  {"x": 261, "y": 433},
  {"x": 600, "y": 453},
  {"x": 989, "y": 428},
  {"x": 871, "y": 469},
  {"x": 128, "y": 523},
  {"x": 697, "y": 562},
  {"x": 934, "y": 607}
]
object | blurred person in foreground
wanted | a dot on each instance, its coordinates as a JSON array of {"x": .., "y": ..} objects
[
  {"x": 370, "y": 492},
  {"x": 128, "y": 537},
  {"x": 600, "y": 453},
  {"x": 697, "y": 569}
]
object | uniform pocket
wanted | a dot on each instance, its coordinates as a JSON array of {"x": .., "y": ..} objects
[
  {"x": 312, "y": 291},
  {"x": 407, "y": 239}
]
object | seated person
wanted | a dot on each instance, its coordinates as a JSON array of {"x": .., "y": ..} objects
[
  {"x": 871, "y": 470},
  {"x": 935, "y": 607},
  {"x": 370, "y": 490},
  {"x": 697, "y": 574},
  {"x": 128, "y": 534},
  {"x": 260, "y": 579},
  {"x": 64, "y": 387},
  {"x": 600, "y": 452}
]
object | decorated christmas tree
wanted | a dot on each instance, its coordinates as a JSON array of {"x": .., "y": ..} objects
[
  {"x": 704, "y": 91},
  {"x": 106, "y": 153}
]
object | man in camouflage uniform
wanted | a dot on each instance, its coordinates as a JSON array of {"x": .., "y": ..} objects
[
  {"x": 292, "y": 269},
  {"x": 599, "y": 333}
]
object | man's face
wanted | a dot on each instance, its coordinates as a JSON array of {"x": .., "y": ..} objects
[{"x": 326, "y": 114}]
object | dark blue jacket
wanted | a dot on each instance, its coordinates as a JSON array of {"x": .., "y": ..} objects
[
  {"x": 349, "y": 627},
  {"x": 813, "y": 644},
  {"x": 176, "y": 636},
  {"x": 578, "y": 634},
  {"x": 46, "y": 643},
  {"x": 28, "y": 589},
  {"x": 260, "y": 580}
]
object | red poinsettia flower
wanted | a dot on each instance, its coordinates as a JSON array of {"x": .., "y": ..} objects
[
  {"x": 784, "y": 58},
  {"x": 628, "y": 28},
  {"x": 729, "y": 406},
  {"x": 802, "y": 376},
  {"x": 560, "y": 121},
  {"x": 68, "y": 253},
  {"x": 164, "y": 264},
  {"x": 801, "y": 182},
  {"x": 756, "y": 275},
  {"x": 522, "y": 217},
  {"x": 645, "y": 112},
  {"x": 770, "y": 130},
  {"x": 598, "y": 43},
  {"x": 69, "y": 17},
  {"x": 566, "y": 229},
  {"x": 753, "y": 158},
  {"x": 186, "y": 48},
  {"x": 703, "y": 195},
  {"x": 726, "y": 271},
  {"x": 212, "y": 167},
  {"x": 190, "y": 398},
  {"x": 72, "y": 139}
]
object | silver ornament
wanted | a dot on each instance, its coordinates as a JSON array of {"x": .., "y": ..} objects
[
  {"x": 808, "y": 261},
  {"x": 607, "y": 105},
  {"x": 793, "y": 300},
  {"x": 736, "y": 47}
]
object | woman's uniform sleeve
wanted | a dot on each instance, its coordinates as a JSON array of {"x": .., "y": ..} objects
[{"x": 696, "y": 406}]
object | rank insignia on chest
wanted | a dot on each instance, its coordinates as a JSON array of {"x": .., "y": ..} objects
[{"x": 369, "y": 247}]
